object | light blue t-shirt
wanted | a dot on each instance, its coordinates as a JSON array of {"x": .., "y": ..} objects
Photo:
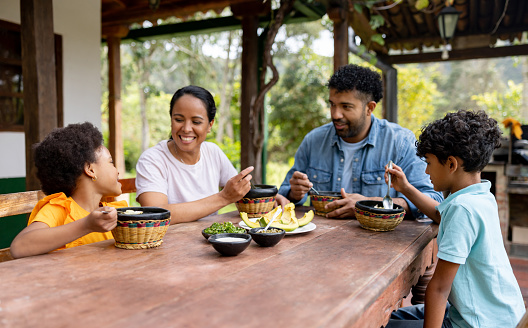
[
  {"x": 349, "y": 149},
  {"x": 484, "y": 293}
]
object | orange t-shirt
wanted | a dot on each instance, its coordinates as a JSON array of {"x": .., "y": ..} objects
[{"x": 57, "y": 209}]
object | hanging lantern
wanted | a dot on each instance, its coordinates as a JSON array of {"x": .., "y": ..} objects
[
  {"x": 447, "y": 21},
  {"x": 154, "y": 4}
]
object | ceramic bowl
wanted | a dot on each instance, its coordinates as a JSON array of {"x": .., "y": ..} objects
[
  {"x": 230, "y": 248},
  {"x": 205, "y": 234},
  {"x": 267, "y": 239},
  {"x": 258, "y": 201},
  {"x": 262, "y": 191},
  {"x": 142, "y": 228},
  {"x": 319, "y": 201},
  {"x": 372, "y": 216}
]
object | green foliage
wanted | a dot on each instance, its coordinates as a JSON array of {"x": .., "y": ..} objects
[
  {"x": 276, "y": 172},
  {"x": 297, "y": 103},
  {"x": 502, "y": 105},
  {"x": 416, "y": 95},
  {"x": 421, "y": 4},
  {"x": 231, "y": 148}
]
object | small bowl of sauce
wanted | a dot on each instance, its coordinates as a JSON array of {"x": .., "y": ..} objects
[{"x": 230, "y": 244}]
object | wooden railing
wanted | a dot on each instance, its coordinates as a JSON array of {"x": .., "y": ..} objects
[{"x": 24, "y": 202}]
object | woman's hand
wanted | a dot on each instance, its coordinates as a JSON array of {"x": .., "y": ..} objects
[
  {"x": 237, "y": 186},
  {"x": 102, "y": 219}
]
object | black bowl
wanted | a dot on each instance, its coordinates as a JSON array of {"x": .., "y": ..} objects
[
  {"x": 149, "y": 213},
  {"x": 205, "y": 234},
  {"x": 327, "y": 193},
  {"x": 267, "y": 239},
  {"x": 369, "y": 205},
  {"x": 262, "y": 191},
  {"x": 230, "y": 248}
]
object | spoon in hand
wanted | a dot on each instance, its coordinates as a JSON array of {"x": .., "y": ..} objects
[
  {"x": 279, "y": 210},
  {"x": 387, "y": 200}
]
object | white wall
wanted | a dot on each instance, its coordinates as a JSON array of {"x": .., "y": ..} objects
[{"x": 79, "y": 23}]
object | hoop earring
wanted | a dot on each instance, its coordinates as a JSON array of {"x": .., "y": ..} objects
[{"x": 94, "y": 178}]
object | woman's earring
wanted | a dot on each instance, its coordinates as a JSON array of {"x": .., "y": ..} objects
[{"x": 94, "y": 178}]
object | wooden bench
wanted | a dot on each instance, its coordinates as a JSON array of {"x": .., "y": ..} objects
[{"x": 24, "y": 202}]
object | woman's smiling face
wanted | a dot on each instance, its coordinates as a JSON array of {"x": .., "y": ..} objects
[{"x": 189, "y": 123}]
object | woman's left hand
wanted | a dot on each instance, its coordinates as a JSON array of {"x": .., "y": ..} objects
[{"x": 237, "y": 186}]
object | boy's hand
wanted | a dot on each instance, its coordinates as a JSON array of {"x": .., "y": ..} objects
[
  {"x": 398, "y": 179},
  {"x": 102, "y": 219}
]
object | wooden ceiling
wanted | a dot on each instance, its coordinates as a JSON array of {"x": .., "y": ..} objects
[
  {"x": 127, "y": 12},
  {"x": 485, "y": 29}
]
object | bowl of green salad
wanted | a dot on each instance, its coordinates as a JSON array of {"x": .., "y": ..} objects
[{"x": 221, "y": 227}]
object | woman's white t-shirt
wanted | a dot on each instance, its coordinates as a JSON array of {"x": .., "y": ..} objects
[{"x": 159, "y": 171}]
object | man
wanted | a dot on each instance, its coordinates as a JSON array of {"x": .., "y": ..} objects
[{"x": 350, "y": 154}]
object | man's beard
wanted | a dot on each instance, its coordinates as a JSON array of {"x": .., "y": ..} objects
[{"x": 351, "y": 130}]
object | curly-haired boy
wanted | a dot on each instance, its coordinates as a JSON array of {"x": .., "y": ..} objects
[{"x": 473, "y": 271}]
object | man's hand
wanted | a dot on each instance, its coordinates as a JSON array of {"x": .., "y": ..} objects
[
  {"x": 343, "y": 208},
  {"x": 299, "y": 185}
]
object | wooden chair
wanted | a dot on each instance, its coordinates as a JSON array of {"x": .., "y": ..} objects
[{"x": 24, "y": 202}]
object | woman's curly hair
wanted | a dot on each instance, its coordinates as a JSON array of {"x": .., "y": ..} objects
[
  {"x": 61, "y": 156},
  {"x": 470, "y": 135},
  {"x": 353, "y": 77}
]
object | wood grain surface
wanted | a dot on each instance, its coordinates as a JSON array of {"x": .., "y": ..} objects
[{"x": 335, "y": 276}]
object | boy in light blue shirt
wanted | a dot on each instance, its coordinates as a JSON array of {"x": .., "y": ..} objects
[{"x": 473, "y": 271}]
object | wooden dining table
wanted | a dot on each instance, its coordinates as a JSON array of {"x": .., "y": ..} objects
[{"x": 338, "y": 275}]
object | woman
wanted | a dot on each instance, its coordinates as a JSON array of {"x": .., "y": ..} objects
[
  {"x": 75, "y": 170},
  {"x": 183, "y": 174}
]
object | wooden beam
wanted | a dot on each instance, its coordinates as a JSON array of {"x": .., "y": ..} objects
[
  {"x": 465, "y": 54},
  {"x": 139, "y": 13},
  {"x": 249, "y": 88},
  {"x": 40, "y": 86},
  {"x": 338, "y": 13},
  {"x": 390, "y": 94},
  {"x": 115, "y": 140},
  {"x": 212, "y": 25}
]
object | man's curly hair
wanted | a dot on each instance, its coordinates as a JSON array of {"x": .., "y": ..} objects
[
  {"x": 470, "y": 135},
  {"x": 353, "y": 77},
  {"x": 61, "y": 156}
]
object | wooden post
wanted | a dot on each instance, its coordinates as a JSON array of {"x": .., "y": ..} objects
[
  {"x": 390, "y": 94},
  {"x": 115, "y": 140},
  {"x": 338, "y": 13},
  {"x": 249, "y": 88},
  {"x": 40, "y": 85}
]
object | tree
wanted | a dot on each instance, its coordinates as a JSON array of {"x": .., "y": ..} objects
[
  {"x": 501, "y": 105},
  {"x": 298, "y": 103},
  {"x": 417, "y": 95}
]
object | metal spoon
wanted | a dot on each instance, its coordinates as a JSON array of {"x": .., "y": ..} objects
[
  {"x": 273, "y": 218},
  {"x": 387, "y": 200},
  {"x": 315, "y": 191}
]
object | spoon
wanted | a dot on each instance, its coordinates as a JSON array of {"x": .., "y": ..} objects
[
  {"x": 273, "y": 218},
  {"x": 387, "y": 200},
  {"x": 315, "y": 191}
]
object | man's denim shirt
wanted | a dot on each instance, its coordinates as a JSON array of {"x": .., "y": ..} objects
[{"x": 322, "y": 159}]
